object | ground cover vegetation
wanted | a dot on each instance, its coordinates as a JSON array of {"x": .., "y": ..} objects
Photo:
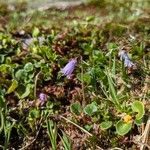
[{"x": 75, "y": 78}]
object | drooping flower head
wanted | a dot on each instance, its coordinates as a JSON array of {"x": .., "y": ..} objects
[
  {"x": 124, "y": 57},
  {"x": 42, "y": 98},
  {"x": 69, "y": 68}
]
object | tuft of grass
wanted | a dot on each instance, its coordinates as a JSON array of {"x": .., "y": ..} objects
[{"x": 52, "y": 133}]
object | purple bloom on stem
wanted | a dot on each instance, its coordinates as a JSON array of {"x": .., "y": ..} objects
[
  {"x": 69, "y": 68},
  {"x": 43, "y": 98},
  {"x": 124, "y": 57},
  {"x": 128, "y": 63}
]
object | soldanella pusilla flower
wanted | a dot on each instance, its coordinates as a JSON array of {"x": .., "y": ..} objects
[
  {"x": 69, "y": 68},
  {"x": 125, "y": 58},
  {"x": 42, "y": 98}
]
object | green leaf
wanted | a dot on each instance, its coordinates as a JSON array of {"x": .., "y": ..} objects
[
  {"x": 2, "y": 58},
  {"x": 4, "y": 68},
  {"x": 138, "y": 122},
  {"x": 112, "y": 89},
  {"x": 46, "y": 71},
  {"x": 35, "y": 32},
  {"x": 2, "y": 120},
  {"x": 90, "y": 18},
  {"x": 138, "y": 107},
  {"x": 27, "y": 91},
  {"x": 76, "y": 108},
  {"x": 112, "y": 46},
  {"x": 20, "y": 74},
  {"x": 113, "y": 70},
  {"x": 86, "y": 78},
  {"x": 52, "y": 132},
  {"x": 34, "y": 114},
  {"x": 2, "y": 102},
  {"x": 45, "y": 51},
  {"x": 66, "y": 141},
  {"x": 90, "y": 108},
  {"x": 123, "y": 128},
  {"x": 13, "y": 86},
  {"x": 28, "y": 67},
  {"x": 88, "y": 127},
  {"x": 106, "y": 125}
]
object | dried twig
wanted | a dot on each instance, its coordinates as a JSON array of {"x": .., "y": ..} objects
[
  {"x": 145, "y": 135},
  {"x": 82, "y": 129},
  {"x": 116, "y": 148},
  {"x": 35, "y": 83}
]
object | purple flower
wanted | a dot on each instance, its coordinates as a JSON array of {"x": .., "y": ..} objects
[
  {"x": 69, "y": 68},
  {"x": 42, "y": 98},
  {"x": 124, "y": 57}
]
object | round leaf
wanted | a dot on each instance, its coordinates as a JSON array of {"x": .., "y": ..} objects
[
  {"x": 20, "y": 74},
  {"x": 105, "y": 125},
  {"x": 138, "y": 107},
  {"x": 28, "y": 67},
  {"x": 123, "y": 128},
  {"x": 90, "y": 108},
  {"x": 76, "y": 108},
  {"x": 34, "y": 114}
]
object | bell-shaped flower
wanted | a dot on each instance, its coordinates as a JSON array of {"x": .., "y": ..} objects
[
  {"x": 69, "y": 68},
  {"x": 125, "y": 58},
  {"x": 42, "y": 98}
]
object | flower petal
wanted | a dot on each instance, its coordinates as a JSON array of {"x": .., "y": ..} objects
[{"x": 69, "y": 68}]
